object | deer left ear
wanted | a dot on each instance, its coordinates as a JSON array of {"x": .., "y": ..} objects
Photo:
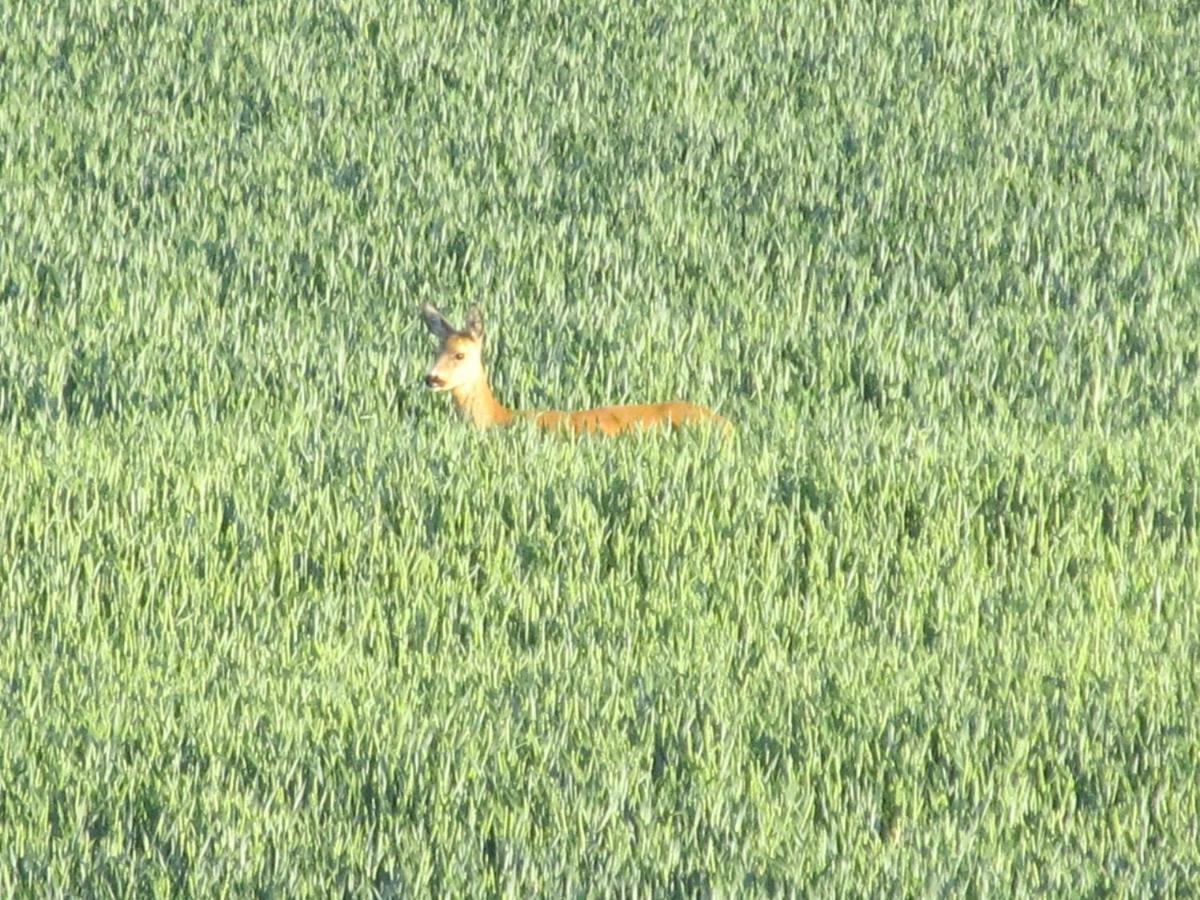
[
  {"x": 475, "y": 323},
  {"x": 436, "y": 322}
]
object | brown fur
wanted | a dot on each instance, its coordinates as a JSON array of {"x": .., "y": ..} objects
[{"x": 459, "y": 369}]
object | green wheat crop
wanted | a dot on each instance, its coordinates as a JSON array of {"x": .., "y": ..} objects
[{"x": 272, "y": 620}]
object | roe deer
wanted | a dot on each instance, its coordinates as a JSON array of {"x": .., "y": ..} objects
[{"x": 458, "y": 369}]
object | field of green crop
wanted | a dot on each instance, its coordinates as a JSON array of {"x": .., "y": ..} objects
[{"x": 273, "y": 620}]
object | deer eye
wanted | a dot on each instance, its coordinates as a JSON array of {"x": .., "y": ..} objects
[{"x": 460, "y": 356}]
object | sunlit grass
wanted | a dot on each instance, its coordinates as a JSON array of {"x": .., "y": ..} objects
[{"x": 273, "y": 619}]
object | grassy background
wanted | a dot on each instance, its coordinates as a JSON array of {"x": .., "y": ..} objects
[{"x": 273, "y": 619}]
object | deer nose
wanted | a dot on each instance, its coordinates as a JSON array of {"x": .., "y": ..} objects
[{"x": 433, "y": 381}]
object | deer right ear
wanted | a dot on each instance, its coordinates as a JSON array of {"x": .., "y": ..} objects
[
  {"x": 436, "y": 322},
  {"x": 474, "y": 325}
]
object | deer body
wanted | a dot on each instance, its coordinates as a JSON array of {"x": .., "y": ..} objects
[{"x": 459, "y": 370}]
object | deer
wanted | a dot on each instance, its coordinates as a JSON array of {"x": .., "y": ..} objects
[{"x": 458, "y": 369}]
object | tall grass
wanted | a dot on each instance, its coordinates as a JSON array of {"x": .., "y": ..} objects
[{"x": 273, "y": 620}]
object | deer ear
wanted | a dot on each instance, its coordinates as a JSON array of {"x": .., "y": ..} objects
[
  {"x": 436, "y": 322},
  {"x": 475, "y": 323}
]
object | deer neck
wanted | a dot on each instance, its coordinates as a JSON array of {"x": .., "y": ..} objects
[{"x": 477, "y": 403}]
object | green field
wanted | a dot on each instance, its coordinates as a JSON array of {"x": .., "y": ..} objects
[{"x": 273, "y": 620}]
